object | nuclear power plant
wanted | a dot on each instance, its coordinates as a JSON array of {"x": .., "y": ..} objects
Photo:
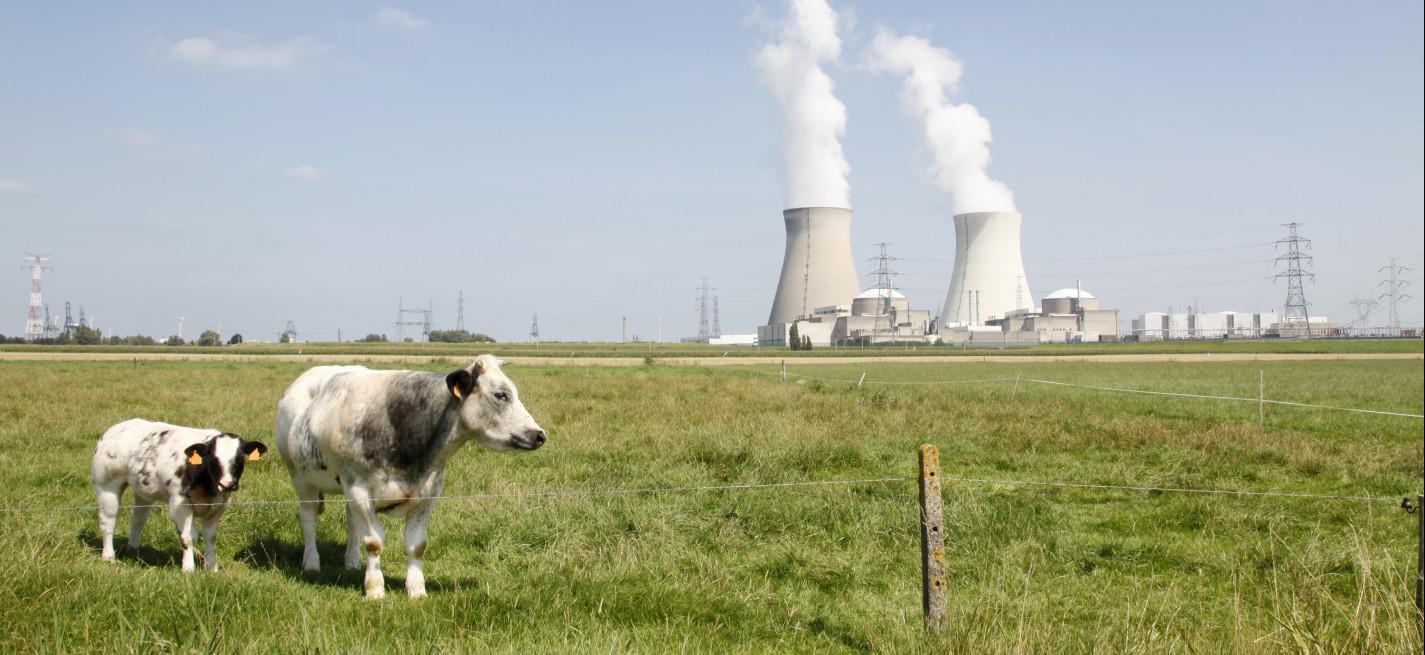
[{"x": 988, "y": 280}]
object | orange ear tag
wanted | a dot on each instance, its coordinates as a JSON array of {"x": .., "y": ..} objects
[
  {"x": 456, "y": 391},
  {"x": 195, "y": 459},
  {"x": 254, "y": 456}
]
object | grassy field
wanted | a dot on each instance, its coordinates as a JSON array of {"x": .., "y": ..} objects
[
  {"x": 670, "y": 350},
  {"x": 805, "y": 569}
]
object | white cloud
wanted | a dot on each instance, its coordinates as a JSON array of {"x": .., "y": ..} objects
[
  {"x": 305, "y": 172},
  {"x": 238, "y": 52},
  {"x": 397, "y": 19},
  {"x": 154, "y": 145},
  {"x": 11, "y": 185}
]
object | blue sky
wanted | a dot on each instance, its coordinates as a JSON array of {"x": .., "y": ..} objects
[{"x": 246, "y": 164}]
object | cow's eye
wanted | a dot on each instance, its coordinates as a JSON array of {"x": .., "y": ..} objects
[{"x": 502, "y": 396}]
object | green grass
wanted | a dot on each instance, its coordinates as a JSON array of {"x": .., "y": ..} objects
[
  {"x": 817, "y": 569},
  {"x": 664, "y": 350}
]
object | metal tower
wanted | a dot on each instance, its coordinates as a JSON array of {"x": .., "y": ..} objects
[
  {"x": 1296, "y": 305},
  {"x": 1392, "y": 294},
  {"x": 534, "y": 328},
  {"x": 460, "y": 313},
  {"x": 289, "y": 331},
  {"x": 69, "y": 323},
  {"x": 1363, "y": 308},
  {"x": 401, "y": 322},
  {"x": 34, "y": 324},
  {"x": 180, "y": 320},
  {"x": 703, "y": 330},
  {"x": 885, "y": 287},
  {"x": 717, "y": 321}
]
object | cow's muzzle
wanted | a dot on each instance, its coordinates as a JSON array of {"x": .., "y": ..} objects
[{"x": 531, "y": 440}]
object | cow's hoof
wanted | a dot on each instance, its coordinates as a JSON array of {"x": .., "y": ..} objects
[
  {"x": 375, "y": 587},
  {"x": 416, "y": 593}
]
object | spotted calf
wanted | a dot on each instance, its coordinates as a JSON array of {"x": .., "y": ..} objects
[{"x": 190, "y": 470}]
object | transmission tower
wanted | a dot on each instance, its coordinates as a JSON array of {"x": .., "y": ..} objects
[
  {"x": 460, "y": 313},
  {"x": 885, "y": 287},
  {"x": 534, "y": 328},
  {"x": 34, "y": 324},
  {"x": 1296, "y": 305},
  {"x": 1392, "y": 294},
  {"x": 289, "y": 333},
  {"x": 401, "y": 321},
  {"x": 717, "y": 320},
  {"x": 703, "y": 330},
  {"x": 1363, "y": 308}
]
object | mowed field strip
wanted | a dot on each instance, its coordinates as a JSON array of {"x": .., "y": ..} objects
[{"x": 533, "y": 556}]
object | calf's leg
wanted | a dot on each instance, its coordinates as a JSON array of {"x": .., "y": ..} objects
[
  {"x": 136, "y": 523},
  {"x": 183, "y": 520},
  {"x": 108, "y": 514},
  {"x": 210, "y": 539}
]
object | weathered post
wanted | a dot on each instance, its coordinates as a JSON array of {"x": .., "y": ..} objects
[
  {"x": 1420, "y": 546},
  {"x": 862, "y": 380},
  {"x": 932, "y": 539}
]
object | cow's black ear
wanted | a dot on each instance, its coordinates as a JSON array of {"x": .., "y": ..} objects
[
  {"x": 196, "y": 454},
  {"x": 254, "y": 449},
  {"x": 461, "y": 382}
]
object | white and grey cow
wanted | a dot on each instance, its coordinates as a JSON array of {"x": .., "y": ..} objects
[
  {"x": 382, "y": 439},
  {"x": 192, "y": 471}
]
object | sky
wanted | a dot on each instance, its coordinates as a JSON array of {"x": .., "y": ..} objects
[{"x": 249, "y": 164}]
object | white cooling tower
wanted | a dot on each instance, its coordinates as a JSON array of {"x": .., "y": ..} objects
[
  {"x": 988, "y": 281},
  {"x": 817, "y": 269}
]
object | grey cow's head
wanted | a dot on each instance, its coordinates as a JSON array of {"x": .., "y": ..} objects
[
  {"x": 216, "y": 465},
  {"x": 490, "y": 407}
]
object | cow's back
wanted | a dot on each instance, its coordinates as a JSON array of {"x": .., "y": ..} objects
[{"x": 291, "y": 410}]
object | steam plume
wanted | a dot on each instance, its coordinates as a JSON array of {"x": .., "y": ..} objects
[
  {"x": 813, "y": 119},
  {"x": 958, "y": 134}
]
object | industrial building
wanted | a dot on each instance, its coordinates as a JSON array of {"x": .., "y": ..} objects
[
  {"x": 1064, "y": 316},
  {"x": 875, "y": 316},
  {"x": 1159, "y": 326}
]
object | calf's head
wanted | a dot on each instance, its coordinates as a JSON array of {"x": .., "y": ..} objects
[
  {"x": 216, "y": 465},
  {"x": 490, "y": 407}
]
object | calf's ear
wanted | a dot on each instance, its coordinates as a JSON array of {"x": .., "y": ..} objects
[
  {"x": 254, "y": 450},
  {"x": 461, "y": 382},
  {"x": 195, "y": 454}
]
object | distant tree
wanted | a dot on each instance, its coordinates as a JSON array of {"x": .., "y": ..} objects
[
  {"x": 174, "y": 340},
  {"x": 209, "y": 339},
  {"x": 806, "y": 343},
  {"x": 794, "y": 338},
  {"x": 116, "y": 340},
  {"x": 237, "y": 339},
  {"x": 459, "y": 336},
  {"x": 285, "y": 338},
  {"x": 373, "y": 338},
  {"x": 87, "y": 336},
  {"x": 140, "y": 340},
  {"x": 408, "y": 340}
]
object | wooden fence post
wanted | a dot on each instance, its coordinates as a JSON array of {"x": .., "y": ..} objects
[
  {"x": 1420, "y": 546},
  {"x": 932, "y": 539}
]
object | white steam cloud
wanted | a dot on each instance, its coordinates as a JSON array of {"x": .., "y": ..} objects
[
  {"x": 813, "y": 119},
  {"x": 958, "y": 134}
]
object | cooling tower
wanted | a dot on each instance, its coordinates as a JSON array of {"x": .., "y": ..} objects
[
  {"x": 988, "y": 281},
  {"x": 817, "y": 269}
]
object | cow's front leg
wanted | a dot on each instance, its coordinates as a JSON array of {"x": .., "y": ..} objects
[
  {"x": 416, "y": 521},
  {"x": 355, "y": 530},
  {"x": 210, "y": 539},
  {"x": 183, "y": 520},
  {"x": 373, "y": 538}
]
